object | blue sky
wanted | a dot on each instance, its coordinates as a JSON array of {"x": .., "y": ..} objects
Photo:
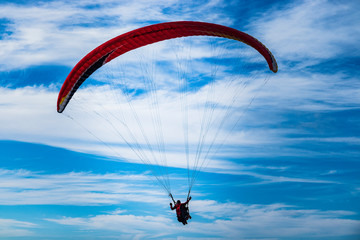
[{"x": 288, "y": 170}]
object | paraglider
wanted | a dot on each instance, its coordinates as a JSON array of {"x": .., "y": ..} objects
[
  {"x": 148, "y": 35},
  {"x": 144, "y": 149},
  {"x": 182, "y": 210}
]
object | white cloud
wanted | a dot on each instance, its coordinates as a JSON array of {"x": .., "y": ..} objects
[
  {"x": 316, "y": 92},
  {"x": 21, "y": 187},
  {"x": 15, "y": 228},
  {"x": 28, "y": 114},
  {"x": 28, "y": 188},
  {"x": 153, "y": 226},
  {"x": 61, "y": 32},
  {"x": 309, "y": 32},
  {"x": 228, "y": 221}
]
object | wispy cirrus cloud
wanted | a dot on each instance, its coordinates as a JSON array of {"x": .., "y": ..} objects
[
  {"x": 228, "y": 221},
  {"x": 22, "y": 105},
  {"x": 308, "y": 32},
  {"x": 86, "y": 189},
  {"x": 60, "y": 32},
  {"x": 14, "y": 228},
  {"x": 224, "y": 220},
  {"x": 306, "y": 93},
  {"x": 128, "y": 226},
  {"x": 29, "y": 188}
]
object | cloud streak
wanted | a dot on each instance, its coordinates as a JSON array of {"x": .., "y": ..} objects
[
  {"x": 21, "y": 187},
  {"x": 228, "y": 221},
  {"x": 15, "y": 228},
  {"x": 302, "y": 29},
  {"x": 27, "y": 188},
  {"x": 59, "y": 32},
  {"x": 19, "y": 104}
]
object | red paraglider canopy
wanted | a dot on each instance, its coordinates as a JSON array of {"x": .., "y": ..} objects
[{"x": 148, "y": 35}]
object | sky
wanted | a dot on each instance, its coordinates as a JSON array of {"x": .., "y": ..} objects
[{"x": 287, "y": 169}]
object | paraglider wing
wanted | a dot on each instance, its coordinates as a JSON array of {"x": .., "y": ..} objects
[{"x": 148, "y": 35}]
